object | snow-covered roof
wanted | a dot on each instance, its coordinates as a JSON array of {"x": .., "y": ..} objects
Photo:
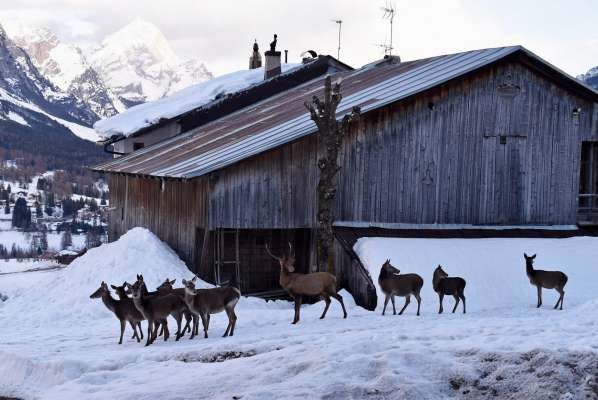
[
  {"x": 144, "y": 115},
  {"x": 283, "y": 118}
]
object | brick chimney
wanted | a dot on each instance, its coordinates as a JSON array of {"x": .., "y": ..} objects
[{"x": 272, "y": 65}]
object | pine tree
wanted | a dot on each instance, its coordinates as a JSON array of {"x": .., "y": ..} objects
[
  {"x": 21, "y": 215},
  {"x": 103, "y": 200},
  {"x": 330, "y": 137},
  {"x": 38, "y": 210}
]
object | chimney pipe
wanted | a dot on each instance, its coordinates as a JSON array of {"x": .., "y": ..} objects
[
  {"x": 286, "y": 56},
  {"x": 272, "y": 64}
]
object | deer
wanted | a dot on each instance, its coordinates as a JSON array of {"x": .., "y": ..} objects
[
  {"x": 167, "y": 287},
  {"x": 204, "y": 302},
  {"x": 545, "y": 279},
  {"x": 394, "y": 284},
  {"x": 156, "y": 310},
  {"x": 121, "y": 293},
  {"x": 125, "y": 311},
  {"x": 297, "y": 285},
  {"x": 443, "y": 285}
]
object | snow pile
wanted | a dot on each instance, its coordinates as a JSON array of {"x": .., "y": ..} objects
[
  {"x": 188, "y": 99},
  {"x": 65, "y": 299},
  {"x": 493, "y": 268}
]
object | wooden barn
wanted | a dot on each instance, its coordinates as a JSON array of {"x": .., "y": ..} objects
[{"x": 492, "y": 138}]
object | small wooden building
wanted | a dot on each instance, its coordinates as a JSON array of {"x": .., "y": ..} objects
[{"x": 493, "y": 138}]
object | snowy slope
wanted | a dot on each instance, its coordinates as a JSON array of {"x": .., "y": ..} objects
[
  {"x": 65, "y": 66},
  {"x": 139, "y": 65},
  {"x": 188, "y": 99},
  {"x": 504, "y": 348}
]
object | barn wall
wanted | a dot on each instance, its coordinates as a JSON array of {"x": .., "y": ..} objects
[
  {"x": 270, "y": 191},
  {"x": 465, "y": 154},
  {"x": 173, "y": 210}
]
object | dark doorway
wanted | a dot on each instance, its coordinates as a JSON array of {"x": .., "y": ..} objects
[
  {"x": 240, "y": 256},
  {"x": 588, "y": 185}
]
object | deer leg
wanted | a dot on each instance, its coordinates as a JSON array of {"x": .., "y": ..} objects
[
  {"x": 456, "y": 302},
  {"x": 440, "y": 297},
  {"x": 407, "y": 301},
  {"x": 340, "y": 300},
  {"x": 179, "y": 334},
  {"x": 166, "y": 330},
  {"x": 386, "y": 299},
  {"x": 392, "y": 300},
  {"x": 327, "y": 300},
  {"x": 204, "y": 321},
  {"x": 539, "y": 296},
  {"x": 139, "y": 330},
  {"x": 208, "y": 317},
  {"x": 419, "y": 302},
  {"x": 463, "y": 299},
  {"x": 149, "y": 333},
  {"x": 297, "y": 309},
  {"x": 194, "y": 329},
  {"x": 233, "y": 318},
  {"x": 560, "y": 300},
  {"x": 122, "y": 330},
  {"x": 134, "y": 327}
]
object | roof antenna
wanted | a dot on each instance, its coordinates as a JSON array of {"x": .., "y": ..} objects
[
  {"x": 338, "y": 51},
  {"x": 389, "y": 14}
]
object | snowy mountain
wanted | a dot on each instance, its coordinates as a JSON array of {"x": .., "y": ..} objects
[
  {"x": 24, "y": 91},
  {"x": 139, "y": 65},
  {"x": 66, "y": 67},
  {"x": 591, "y": 77},
  {"x": 38, "y": 119}
]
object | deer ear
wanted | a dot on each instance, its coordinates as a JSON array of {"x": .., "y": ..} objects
[
  {"x": 184, "y": 281},
  {"x": 194, "y": 279},
  {"x": 172, "y": 281},
  {"x": 534, "y": 256},
  {"x": 113, "y": 287},
  {"x": 290, "y": 268},
  {"x": 525, "y": 255}
]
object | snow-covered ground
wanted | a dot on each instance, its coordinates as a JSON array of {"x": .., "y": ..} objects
[{"x": 65, "y": 345}]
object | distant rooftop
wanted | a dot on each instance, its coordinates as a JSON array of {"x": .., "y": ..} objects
[{"x": 145, "y": 115}]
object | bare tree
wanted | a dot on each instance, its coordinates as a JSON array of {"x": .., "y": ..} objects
[{"x": 330, "y": 139}]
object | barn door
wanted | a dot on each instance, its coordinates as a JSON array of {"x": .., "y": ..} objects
[
  {"x": 504, "y": 177},
  {"x": 588, "y": 184},
  {"x": 226, "y": 257}
]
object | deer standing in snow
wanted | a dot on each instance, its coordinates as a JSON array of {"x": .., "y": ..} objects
[
  {"x": 393, "y": 284},
  {"x": 167, "y": 287},
  {"x": 125, "y": 311},
  {"x": 157, "y": 309},
  {"x": 545, "y": 279},
  {"x": 315, "y": 284},
  {"x": 121, "y": 293},
  {"x": 444, "y": 285},
  {"x": 204, "y": 302}
]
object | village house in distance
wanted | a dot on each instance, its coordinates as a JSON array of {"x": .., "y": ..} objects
[{"x": 486, "y": 139}]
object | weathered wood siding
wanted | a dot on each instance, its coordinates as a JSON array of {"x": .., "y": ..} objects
[
  {"x": 270, "y": 191},
  {"x": 173, "y": 210},
  {"x": 463, "y": 153}
]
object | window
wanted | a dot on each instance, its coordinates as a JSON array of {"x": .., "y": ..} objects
[{"x": 137, "y": 146}]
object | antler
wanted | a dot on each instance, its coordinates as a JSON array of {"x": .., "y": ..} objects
[
  {"x": 272, "y": 255},
  {"x": 291, "y": 252}
]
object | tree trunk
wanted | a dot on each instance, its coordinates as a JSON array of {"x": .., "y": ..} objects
[{"x": 330, "y": 137}]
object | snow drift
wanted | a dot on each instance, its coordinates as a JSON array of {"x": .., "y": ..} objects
[
  {"x": 65, "y": 298},
  {"x": 493, "y": 268}
]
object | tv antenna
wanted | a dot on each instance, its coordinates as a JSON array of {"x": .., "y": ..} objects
[
  {"x": 389, "y": 14},
  {"x": 340, "y": 24}
]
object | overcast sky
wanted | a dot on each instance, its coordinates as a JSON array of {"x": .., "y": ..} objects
[{"x": 221, "y": 32}]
